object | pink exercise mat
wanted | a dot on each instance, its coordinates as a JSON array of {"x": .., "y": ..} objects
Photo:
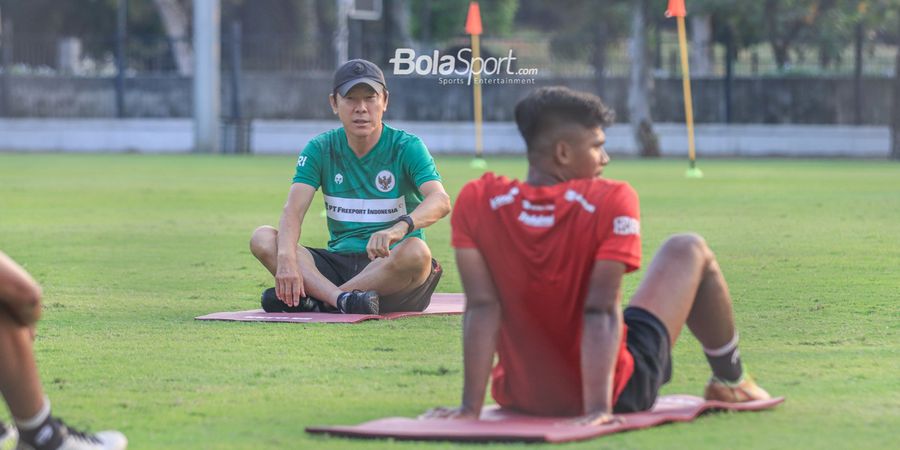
[
  {"x": 497, "y": 424},
  {"x": 440, "y": 304}
]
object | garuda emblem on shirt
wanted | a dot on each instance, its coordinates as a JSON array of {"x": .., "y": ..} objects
[{"x": 384, "y": 181}]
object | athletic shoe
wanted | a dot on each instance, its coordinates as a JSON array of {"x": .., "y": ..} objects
[
  {"x": 271, "y": 303},
  {"x": 745, "y": 390},
  {"x": 69, "y": 438},
  {"x": 8, "y": 436},
  {"x": 358, "y": 302}
]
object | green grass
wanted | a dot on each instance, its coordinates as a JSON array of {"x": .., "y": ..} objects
[{"x": 130, "y": 248}]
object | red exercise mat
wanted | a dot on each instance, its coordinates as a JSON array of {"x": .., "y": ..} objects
[
  {"x": 440, "y": 304},
  {"x": 500, "y": 425}
]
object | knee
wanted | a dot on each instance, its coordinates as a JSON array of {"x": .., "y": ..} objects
[
  {"x": 688, "y": 246},
  {"x": 414, "y": 254},
  {"x": 25, "y": 302},
  {"x": 261, "y": 240}
]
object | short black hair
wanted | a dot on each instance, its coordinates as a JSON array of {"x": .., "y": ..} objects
[{"x": 548, "y": 108}]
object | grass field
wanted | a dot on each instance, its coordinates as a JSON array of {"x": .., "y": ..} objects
[{"x": 130, "y": 248}]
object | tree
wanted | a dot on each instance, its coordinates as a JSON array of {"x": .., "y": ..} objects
[
  {"x": 786, "y": 20},
  {"x": 445, "y": 19},
  {"x": 894, "y": 7},
  {"x": 581, "y": 31},
  {"x": 640, "y": 84},
  {"x": 701, "y": 47},
  {"x": 174, "y": 15}
]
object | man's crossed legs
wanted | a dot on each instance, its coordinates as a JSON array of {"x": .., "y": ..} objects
[{"x": 403, "y": 281}]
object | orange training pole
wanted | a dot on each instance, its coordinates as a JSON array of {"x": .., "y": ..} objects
[
  {"x": 473, "y": 27},
  {"x": 677, "y": 9}
]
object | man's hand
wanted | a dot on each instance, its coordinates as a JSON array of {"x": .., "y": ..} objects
[
  {"x": 379, "y": 245},
  {"x": 289, "y": 283},
  {"x": 597, "y": 419},
  {"x": 443, "y": 412}
]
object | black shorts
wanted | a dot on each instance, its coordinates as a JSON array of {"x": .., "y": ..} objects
[
  {"x": 341, "y": 267},
  {"x": 648, "y": 342}
]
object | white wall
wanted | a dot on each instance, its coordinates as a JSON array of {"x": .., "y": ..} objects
[{"x": 278, "y": 137}]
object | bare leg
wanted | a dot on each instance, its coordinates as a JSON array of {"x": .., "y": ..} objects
[
  {"x": 20, "y": 295},
  {"x": 19, "y": 380},
  {"x": 264, "y": 245},
  {"x": 685, "y": 285},
  {"x": 407, "y": 267},
  {"x": 20, "y": 308}
]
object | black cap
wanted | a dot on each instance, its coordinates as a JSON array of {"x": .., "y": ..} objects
[{"x": 358, "y": 71}]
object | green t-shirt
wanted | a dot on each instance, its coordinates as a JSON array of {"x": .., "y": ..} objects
[{"x": 368, "y": 194}]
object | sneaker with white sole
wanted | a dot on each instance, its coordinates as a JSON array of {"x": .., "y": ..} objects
[
  {"x": 744, "y": 390},
  {"x": 358, "y": 302},
  {"x": 8, "y": 436},
  {"x": 59, "y": 436}
]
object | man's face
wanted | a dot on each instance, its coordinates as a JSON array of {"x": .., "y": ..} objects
[
  {"x": 588, "y": 156},
  {"x": 360, "y": 110}
]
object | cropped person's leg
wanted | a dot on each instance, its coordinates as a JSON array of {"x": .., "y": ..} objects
[{"x": 19, "y": 380}]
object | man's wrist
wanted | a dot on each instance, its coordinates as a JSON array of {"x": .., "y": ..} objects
[{"x": 408, "y": 225}]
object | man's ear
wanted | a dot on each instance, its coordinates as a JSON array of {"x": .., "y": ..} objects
[
  {"x": 562, "y": 152},
  {"x": 333, "y": 101},
  {"x": 385, "y": 93}
]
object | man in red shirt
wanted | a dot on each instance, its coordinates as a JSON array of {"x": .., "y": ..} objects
[{"x": 542, "y": 262}]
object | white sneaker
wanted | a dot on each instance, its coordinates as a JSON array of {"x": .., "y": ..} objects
[
  {"x": 73, "y": 439},
  {"x": 8, "y": 437}
]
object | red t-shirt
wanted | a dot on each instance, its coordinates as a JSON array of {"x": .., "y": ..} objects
[{"x": 540, "y": 244}]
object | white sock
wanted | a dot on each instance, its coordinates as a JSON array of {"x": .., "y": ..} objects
[
  {"x": 723, "y": 350},
  {"x": 37, "y": 420},
  {"x": 725, "y": 361}
]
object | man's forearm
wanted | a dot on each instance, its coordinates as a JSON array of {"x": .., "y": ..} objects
[
  {"x": 434, "y": 207},
  {"x": 599, "y": 351},
  {"x": 481, "y": 326},
  {"x": 288, "y": 236}
]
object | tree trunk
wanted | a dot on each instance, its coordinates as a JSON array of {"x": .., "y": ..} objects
[
  {"x": 780, "y": 50},
  {"x": 175, "y": 21},
  {"x": 895, "y": 117},
  {"x": 598, "y": 58},
  {"x": 401, "y": 18},
  {"x": 701, "y": 45},
  {"x": 309, "y": 33},
  {"x": 639, "y": 86}
]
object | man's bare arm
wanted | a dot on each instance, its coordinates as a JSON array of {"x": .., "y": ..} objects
[
  {"x": 434, "y": 206},
  {"x": 288, "y": 280},
  {"x": 600, "y": 338},
  {"x": 481, "y": 326}
]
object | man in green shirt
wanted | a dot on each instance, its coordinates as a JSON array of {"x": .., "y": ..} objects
[{"x": 381, "y": 189}]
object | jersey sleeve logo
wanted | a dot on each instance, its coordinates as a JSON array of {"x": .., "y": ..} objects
[
  {"x": 572, "y": 196},
  {"x": 384, "y": 181},
  {"x": 504, "y": 199},
  {"x": 625, "y": 226},
  {"x": 301, "y": 161}
]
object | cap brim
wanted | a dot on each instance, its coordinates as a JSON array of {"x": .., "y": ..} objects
[{"x": 345, "y": 88}]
